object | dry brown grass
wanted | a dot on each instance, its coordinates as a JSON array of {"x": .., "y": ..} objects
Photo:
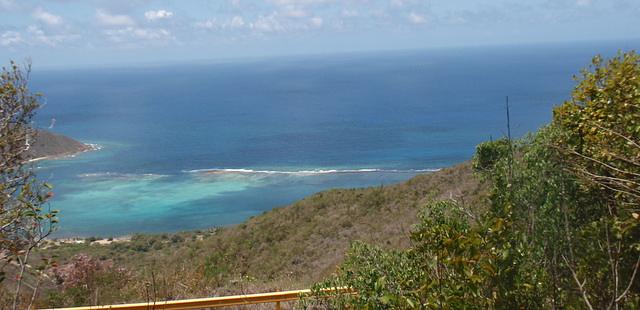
[{"x": 286, "y": 248}]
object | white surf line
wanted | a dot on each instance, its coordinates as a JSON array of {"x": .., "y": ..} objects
[
  {"x": 305, "y": 172},
  {"x": 90, "y": 148}
]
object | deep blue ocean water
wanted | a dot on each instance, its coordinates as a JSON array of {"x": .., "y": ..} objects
[{"x": 190, "y": 146}]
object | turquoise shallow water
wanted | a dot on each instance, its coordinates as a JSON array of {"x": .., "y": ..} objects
[
  {"x": 195, "y": 146},
  {"x": 112, "y": 203}
]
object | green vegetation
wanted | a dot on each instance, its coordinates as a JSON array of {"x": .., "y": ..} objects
[
  {"x": 561, "y": 229},
  {"x": 602, "y": 126},
  {"x": 548, "y": 221},
  {"x": 24, "y": 219},
  {"x": 286, "y": 248}
]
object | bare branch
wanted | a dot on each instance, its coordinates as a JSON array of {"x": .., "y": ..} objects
[
  {"x": 629, "y": 140},
  {"x": 583, "y": 291},
  {"x": 603, "y": 163},
  {"x": 633, "y": 277}
]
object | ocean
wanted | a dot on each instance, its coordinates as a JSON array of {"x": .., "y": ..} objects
[{"x": 198, "y": 145}]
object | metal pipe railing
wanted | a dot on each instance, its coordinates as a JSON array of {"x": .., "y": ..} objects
[{"x": 222, "y": 301}]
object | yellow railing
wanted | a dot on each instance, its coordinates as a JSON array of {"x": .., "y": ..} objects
[{"x": 223, "y": 301}]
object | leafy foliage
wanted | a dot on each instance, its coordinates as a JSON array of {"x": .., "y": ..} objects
[
  {"x": 601, "y": 144},
  {"x": 444, "y": 267},
  {"x": 489, "y": 153},
  {"x": 24, "y": 219},
  {"x": 285, "y": 248},
  {"x": 557, "y": 231},
  {"x": 602, "y": 122},
  {"x": 559, "y": 227}
]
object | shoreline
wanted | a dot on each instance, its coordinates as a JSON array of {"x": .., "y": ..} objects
[
  {"x": 88, "y": 147},
  {"x": 127, "y": 236},
  {"x": 244, "y": 171},
  {"x": 88, "y": 240}
]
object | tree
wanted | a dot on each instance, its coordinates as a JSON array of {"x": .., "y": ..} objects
[
  {"x": 25, "y": 219},
  {"x": 560, "y": 229},
  {"x": 602, "y": 120},
  {"x": 601, "y": 144},
  {"x": 445, "y": 268}
]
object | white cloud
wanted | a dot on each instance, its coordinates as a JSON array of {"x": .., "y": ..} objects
[
  {"x": 268, "y": 23},
  {"x": 124, "y": 31},
  {"x": 298, "y": 2},
  {"x": 316, "y": 22},
  {"x": 237, "y": 22},
  {"x": 402, "y": 2},
  {"x": 40, "y": 36},
  {"x": 207, "y": 24},
  {"x": 46, "y": 17},
  {"x": 151, "y": 34},
  {"x": 159, "y": 14},
  {"x": 350, "y": 13},
  {"x": 9, "y": 38},
  {"x": 379, "y": 13},
  {"x": 125, "y": 35},
  {"x": 297, "y": 8},
  {"x": 108, "y": 19},
  {"x": 294, "y": 12},
  {"x": 417, "y": 18},
  {"x": 583, "y": 3}
]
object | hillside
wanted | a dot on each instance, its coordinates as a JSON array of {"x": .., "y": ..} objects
[
  {"x": 48, "y": 144},
  {"x": 288, "y": 247}
]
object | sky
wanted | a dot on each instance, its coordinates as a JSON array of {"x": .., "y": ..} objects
[{"x": 71, "y": 33}]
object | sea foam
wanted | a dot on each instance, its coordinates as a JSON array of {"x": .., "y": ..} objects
[{"x": 303, "y": 172}]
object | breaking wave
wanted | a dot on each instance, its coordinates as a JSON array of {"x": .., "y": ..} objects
[
  {"x": 304, "y": 172},
  {"x": 117, "y": 175}
]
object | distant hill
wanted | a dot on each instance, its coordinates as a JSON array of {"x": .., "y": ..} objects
[{"x": 48, "y": 144}]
